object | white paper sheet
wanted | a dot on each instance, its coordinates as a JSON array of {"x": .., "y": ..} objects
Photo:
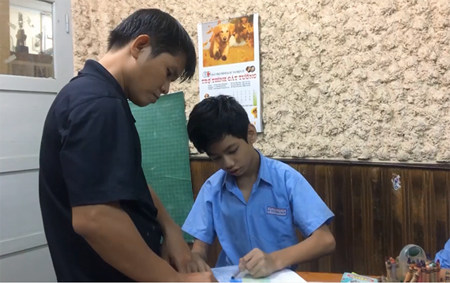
[{"x": 223, "y": 274}]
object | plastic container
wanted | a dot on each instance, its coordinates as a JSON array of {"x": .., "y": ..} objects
[{"x": 410, "y": 253}]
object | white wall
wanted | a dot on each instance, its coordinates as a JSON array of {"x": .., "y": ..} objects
[
  {"x": 28, "y": 265},
  {"x": 24, "y": 255},
  {"x": 24, "y": 103}
]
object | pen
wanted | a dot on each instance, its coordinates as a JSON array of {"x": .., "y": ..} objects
[{"x": 236, "y": 274}]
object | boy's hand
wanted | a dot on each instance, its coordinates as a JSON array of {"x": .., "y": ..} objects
[
  {"x": 258, "y": 263},
  {"x": 445, "y": 272},
  {"x": 198, "y": 264},
  {"x": 175, "y": 250}
]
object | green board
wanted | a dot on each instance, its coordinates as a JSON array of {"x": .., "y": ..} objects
[{"x": 165, "y": 153}]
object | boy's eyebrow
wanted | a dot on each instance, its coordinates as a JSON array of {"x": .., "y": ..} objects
[
  {"x": 227, "y": 148},
  {"x": 230, "y": 146}
]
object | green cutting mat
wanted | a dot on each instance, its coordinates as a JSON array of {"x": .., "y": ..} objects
[{"x": 165, "y": 153}]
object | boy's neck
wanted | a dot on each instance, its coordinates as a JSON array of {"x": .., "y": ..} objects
[{"x": 253, "y": 169}]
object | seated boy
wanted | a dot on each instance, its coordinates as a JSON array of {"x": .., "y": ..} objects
[
  {"x": 444, "y": 259},
  {"x": 252, "y": 204}
]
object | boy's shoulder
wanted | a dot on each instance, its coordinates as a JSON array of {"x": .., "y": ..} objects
[
  {"x": 278, "y": 170},
  {"x": 272, "y": 169},
  {"x": 277, "y": 164},
  {"x": 217, "y": 179}
]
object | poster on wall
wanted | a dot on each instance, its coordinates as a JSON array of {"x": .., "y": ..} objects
[{"x": 229, "y": 62}]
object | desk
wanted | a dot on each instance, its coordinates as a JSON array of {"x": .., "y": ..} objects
[{"x": 320, "y": 276}]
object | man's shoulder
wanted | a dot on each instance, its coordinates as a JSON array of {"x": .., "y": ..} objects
[
  {"x": 83, "y": 88},
  {"x": 83, "y": 91}
]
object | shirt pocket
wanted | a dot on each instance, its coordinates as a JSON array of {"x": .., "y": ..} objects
[{"x": 276, "y": 224}]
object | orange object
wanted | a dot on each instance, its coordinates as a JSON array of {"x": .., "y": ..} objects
[
  {"x": 409, "y": 275},
  {"x": 416, "y": 277},
  {"x": 254, "y": 112}
]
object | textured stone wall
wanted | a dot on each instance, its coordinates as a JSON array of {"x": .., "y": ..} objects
[{"x": 346, "y": 79}]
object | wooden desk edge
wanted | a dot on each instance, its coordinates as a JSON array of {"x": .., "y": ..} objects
[{"x": 322, "y": 276}]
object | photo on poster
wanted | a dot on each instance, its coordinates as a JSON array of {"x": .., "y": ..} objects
[
  {"x": 229, "y": 62},
  {"x": 228, "y": 41}
]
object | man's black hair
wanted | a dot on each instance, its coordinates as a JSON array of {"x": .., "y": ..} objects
[
  {"x": 166, "y": 34},
  {"x": 214, "y": 118}
]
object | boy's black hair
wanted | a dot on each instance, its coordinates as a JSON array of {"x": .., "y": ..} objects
[
  {"x": 214, "y": 118},
  {"x": 166, "y": 34}
]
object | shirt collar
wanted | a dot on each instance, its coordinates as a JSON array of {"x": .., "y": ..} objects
[
  {"x": 95, "y": 69},
  {"x": 263, "y": 174},
  {"x": 264, "y": 171}
]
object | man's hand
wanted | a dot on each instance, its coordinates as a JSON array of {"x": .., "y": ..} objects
[
  {"x": 198, "y": 264},
  {"x": 198, "y": 277},
  {"x": 258, "y": 263},
  {"x": 175, "y": 250}
]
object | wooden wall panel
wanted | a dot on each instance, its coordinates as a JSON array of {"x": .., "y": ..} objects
[{"x": 372, "y": 219}]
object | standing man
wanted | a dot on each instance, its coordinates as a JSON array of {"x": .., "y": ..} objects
[{"x": 101, "y": 220}]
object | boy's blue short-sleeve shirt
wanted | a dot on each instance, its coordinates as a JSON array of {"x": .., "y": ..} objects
[
  {"x": 281, "y": 200},
  {"x": 444, "y": 256}
]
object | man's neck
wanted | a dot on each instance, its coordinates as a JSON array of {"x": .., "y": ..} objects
[{"x": 110, "y": 63}]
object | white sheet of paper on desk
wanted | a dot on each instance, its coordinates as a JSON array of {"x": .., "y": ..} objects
[{"x": 223, "y": 274}]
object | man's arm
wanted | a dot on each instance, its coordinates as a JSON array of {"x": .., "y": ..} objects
[
  {"x": 319, "y": 244},
  {"x": 174, "y": 249},
  {"x": 200, "y": 224},
  {"x": 112, "y": 234},
  {"x": 201, "y": 248},
  {"x": 97, "y": 142}
]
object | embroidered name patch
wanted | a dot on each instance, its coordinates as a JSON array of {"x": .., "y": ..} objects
[{"x": 276, "y": 211}]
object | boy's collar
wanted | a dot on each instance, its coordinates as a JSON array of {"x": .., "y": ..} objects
[{"x": 263, "y": 173}]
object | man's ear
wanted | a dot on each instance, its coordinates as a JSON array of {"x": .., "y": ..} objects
[
  {"x": 140, "y": 45},
  {"x": 251, "y": 134}
]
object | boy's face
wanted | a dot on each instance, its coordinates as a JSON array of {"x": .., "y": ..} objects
[
  {"x": 234, "y": 155},
  {"x": 146, "y": 78}
]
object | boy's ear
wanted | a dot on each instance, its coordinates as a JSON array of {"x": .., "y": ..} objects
[{"x": 251, "y": 134}]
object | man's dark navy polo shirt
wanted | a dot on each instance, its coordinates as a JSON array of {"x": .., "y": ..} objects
[{"x": 91, "y": 154}]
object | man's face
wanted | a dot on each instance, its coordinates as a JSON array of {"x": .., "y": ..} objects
[{"x": 148, "y": 77}]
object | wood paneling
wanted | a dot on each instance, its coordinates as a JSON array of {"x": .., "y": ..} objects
[
  {"x": 372, "y": 219},
  {"x": 4, "y": 35}
]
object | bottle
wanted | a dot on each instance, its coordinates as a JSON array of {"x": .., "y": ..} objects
[{"x": 410, "y": 254}]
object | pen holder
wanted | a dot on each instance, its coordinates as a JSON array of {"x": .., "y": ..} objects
[{"x": 408, "y": 255}]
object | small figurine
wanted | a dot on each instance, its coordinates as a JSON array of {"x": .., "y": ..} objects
[{"x": 21, "y": 37}]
